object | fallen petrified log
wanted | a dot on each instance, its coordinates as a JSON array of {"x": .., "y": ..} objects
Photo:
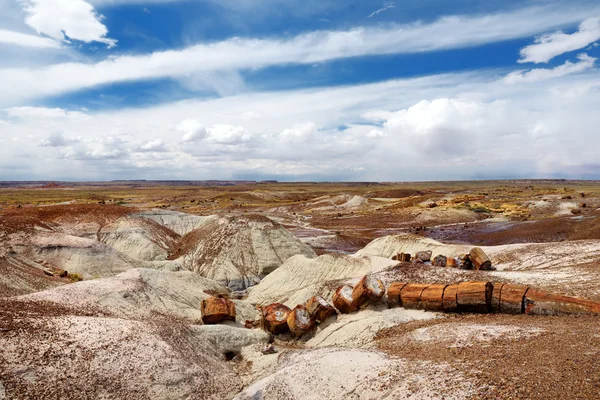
[
  {"x": 464, "y": 262},
  {"x": 367, "y": 291},
  {"x": 299, "y": 321},
  {"x": 342, "y": 299},
  {"x": 402, "y": 257},
  {"x": 451, "y": 262},
  {"x": 479, "y": 259},
  {"x": 449, "y": 301},
  {"x": 474, "y": 297},
  {"x": 410, "y": 296},
  {"x": 537, "y": 302},
  {"x": 393, "y": 293},
  {"x": 275, "y": 318},
  {"x": 495, "y": 307},
  {"x": 424, "y": 255},
  {"x": 319, "y": 308},
  {"x": 432, "y": 297},
  {"x": 217, "y": 309},
  {"x": 511, "y": 299}
]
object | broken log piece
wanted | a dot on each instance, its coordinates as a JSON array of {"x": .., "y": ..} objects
[
  {"x": 537, "y": 302},
  {"x": 405, "y": 257},
  {"x": 424, "y": 255},
  {"x": 396, "y": 257},
  {"x": 449, "y": 302},
  {"x": 275, "y": 318},
  {"x": 410, "y": 296},
  {"x": 319, "y": 308},
  {"x": 217, "y": 309},
  {"x": 496, "y": 296},
  {"x": 451, "y": 262},
  {"x": 299, "y": 321},
  {"x": 474, "y": 297},
  {"x": 511, "y": 299},
  {"x": 464, "y": 262},
  {"x": 440, "y": 261},
  {"x": 393, "y": 294},
  {"x": 479, "y": 259},
  {"x": 342, "y": 299},
  {"x": 432, "y": 298},
  {"x": 368, "y": 290}
]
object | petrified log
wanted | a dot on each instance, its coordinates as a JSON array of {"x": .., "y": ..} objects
[
  {"x": 537, "y": 302},
  {"x": 440, "y": 261},
  {"x": 405, "y": 257},
  {"x": 432, "y": 298},
  {"x": 217, "y": 309},
  {"x": 393, "y": 293},
  {"x": 319, "y": 308},
  {"x": 275, "y": 318},
  {"x": 511, "y": 299},
  {"x": 449, "y": 303},
  {"x": 496, "y": 296},
  {"x": 299, "y": 321},
  {"x": 451, "y": 262},
  {"x": 367, "y": 291},
  {"x": 342, "y": 299},
  {"x": 410, "y": 296},
  {"x": 464, "y": 262},
  {"x": 474, "y": 296},
  {"x": 424, "y": 255},
  {"x": 479, "y": 259}
]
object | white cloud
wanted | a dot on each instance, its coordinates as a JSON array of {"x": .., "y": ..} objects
[
  {"x": 228, "y": 134},
  {"x": 299, "y": 133},
  {"x": 585, "y": 62},
  {"x": 153, "y": 145},
  {"x": 375, "y": 133},
  {"x": 386, "y": 6},
  {"x": 23, "y": 39},
  {"x": 548, "y": 46},
  {"x": 67, "y": 19},
  {"x": 42, "y": 112},
  {"x": 55, "y": 140},
  {"x": 193, "y": 131},
  {"x": 233, "y": 54}
]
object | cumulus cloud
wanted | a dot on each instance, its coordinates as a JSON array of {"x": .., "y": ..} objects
[
  {"x": 585, "y": 62},
  {"x": 23, "y": 39},
  {"x": 307, "y": 48},
  {"x": 153, "y": 146},
  {"x": 550, "y": 45},
  {"x": 228, "y": 134},
  {"x": 193, "y": 131},
  {"x": 55, "y": 140},
  {"x": 67, "y": 19},
  {"x": 299, "y": 133}
]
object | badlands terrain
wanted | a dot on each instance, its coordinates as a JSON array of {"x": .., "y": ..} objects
[{"x": 101, "y": 285}]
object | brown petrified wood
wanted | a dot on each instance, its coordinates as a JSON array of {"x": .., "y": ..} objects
[
  {"x": 496, "y": 297},
  {"x": 479, "y": 259},
  {"x": 537, "y": 302},
  {"x": 404, "y": 257},
  {"x": 474, "y": 296},
  {"x": 424, "y": 255},
  {"x": 410, "y": 296},
  {"x": 217, "y": 309},
  {"x": 451, "y": 262},
  {"x": 368, "y": 290},
  {"x": 275, "y": 318},
  {"x": 319, "y": 308},
  {"x": 432, "y": 297},
  {"x": 449, "y": 303},
  {"x": 342, "y": 299},
  {"x": 393, "y": 293},
  {"x": 511, "y": 299},
  {"x": 464, "y": 262},
  {"x": 299, "y": 321}
]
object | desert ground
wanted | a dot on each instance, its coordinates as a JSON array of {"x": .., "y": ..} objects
[{"x": 101, "y": 286}]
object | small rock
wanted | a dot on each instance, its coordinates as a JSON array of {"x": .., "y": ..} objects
[{"x": 269, "y": 349}]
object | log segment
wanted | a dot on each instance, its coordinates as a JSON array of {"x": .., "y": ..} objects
[
  {"x": 451, "y": 262},
  {"x": 511, "y": 299},
  {"x": 410, "y": 296},
  {"x": 537, "y": 302},
  {"x": 393, "y": 293},
  {"x": 217, "y": 309},
  {"x": 432, "y": 298},
  {"x": 275, "y": 318},
  {"x": 424, "y": 255},
  {"x": 319, "y": 308},
  {"x": 299, "y": 321},
  {"x": 342, "y": 299},
  {"x": 449, "y": 303},
  {"x": 440, "y": 261},
  {"x": 474, "y": 297},
  {"x": 496, "y": 297},
  {"x": 479, "y": 259},
  {"x": 368, "y": 290},
  {"x": 464, "y": 262}
]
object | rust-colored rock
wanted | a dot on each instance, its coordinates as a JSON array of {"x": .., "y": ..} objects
[
  {"x": 217, "y": 309},
  {"x": 537, "y": 302},
  {"x": 451, "y": 262},
  {"x": 432, "y": 298},
  {"x": 275, "y": 318},
  {"x": 496, "y": 297},
  {"x": 368, "y": 290},
  {"x": 393, "y": 293},
  {"x": 511, "y": 299},
  {"x": 479, "y": 259},
  {"x": 319, "y": 308},
  {"x": 449, "y": 303},
  {"x": 299, "y": 321},
  {"x": 410, "y": 296},
  {"x": 474, "y": 297},
  {"x": 342, "y": 299}
]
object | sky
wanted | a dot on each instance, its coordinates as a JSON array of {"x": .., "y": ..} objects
[{"x": 325, "y": 90}]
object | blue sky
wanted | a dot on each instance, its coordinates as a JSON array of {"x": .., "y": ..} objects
[{"x": 321, "y": 90}]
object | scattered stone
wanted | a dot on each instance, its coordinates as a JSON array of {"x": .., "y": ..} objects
[
  {"x": 268, "y": 349},
  {"x": 217, "y": 309},
  {"x": 440, "y": 261},
  {"x": 424, "y": 255}
]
